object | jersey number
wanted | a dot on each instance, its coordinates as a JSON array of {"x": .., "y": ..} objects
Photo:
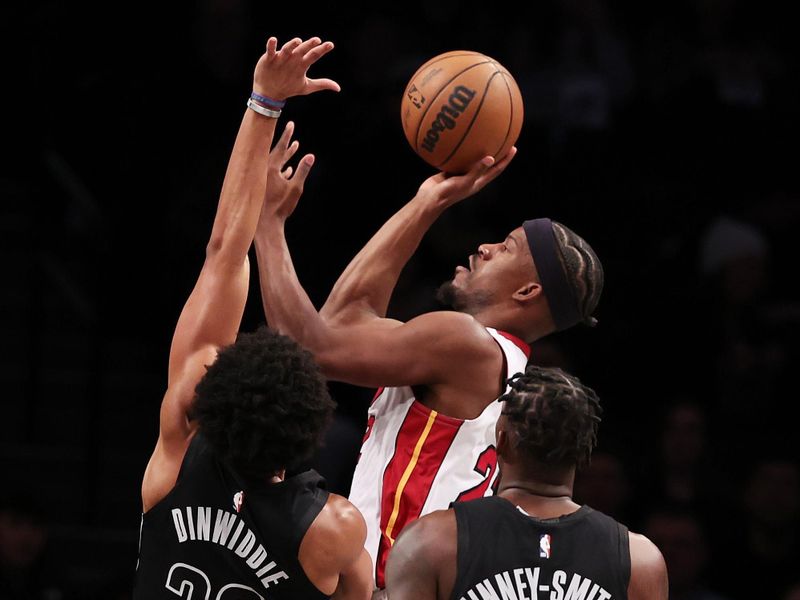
[
  {"x": 190, "y": 583},
  {"x": 486, "y": 467}
]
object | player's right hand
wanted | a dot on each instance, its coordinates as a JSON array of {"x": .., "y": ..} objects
[
  {"x": 284, "y": 184},
  {"x": 446, "y": 190},
  {"x": 280, "y": 74}
]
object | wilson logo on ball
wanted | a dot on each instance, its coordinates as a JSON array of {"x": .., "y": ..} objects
[{"x": 457, "y": 103}]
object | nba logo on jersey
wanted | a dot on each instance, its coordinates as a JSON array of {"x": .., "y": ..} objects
[
  {"x": 544, "y": 545},
  {"x": 238, "y": 498}
]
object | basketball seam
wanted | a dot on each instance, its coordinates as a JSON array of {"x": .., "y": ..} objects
[
  {"x": 511, "y": 113},
  {"x": 472, "y": 122},
  {"x": 438, "y": 60},
  {"x": 425, "y": 112}
]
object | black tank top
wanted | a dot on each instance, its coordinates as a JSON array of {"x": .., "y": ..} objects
[
  {"x": 504, "y": 553},
  {"x": 214, "y": 537}
]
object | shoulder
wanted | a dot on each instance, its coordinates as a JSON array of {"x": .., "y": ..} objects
[
  {"x": 454, "y": 329},
  {"x": 648, "y": 570},
  {"x": 429, "y": 540},
  {"x": 338, "y": 531}
]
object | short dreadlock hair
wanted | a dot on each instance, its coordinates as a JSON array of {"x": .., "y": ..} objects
[
  {"x": 263, "y": 404},
  {"x": 583, "y": 270},
  {"x": 554, "y": 416}
]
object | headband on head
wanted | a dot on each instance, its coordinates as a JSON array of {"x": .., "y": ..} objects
[{"x": 544, "y": 250}]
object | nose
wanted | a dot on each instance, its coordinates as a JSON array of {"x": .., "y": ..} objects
[{"x": 486, "y": 251}]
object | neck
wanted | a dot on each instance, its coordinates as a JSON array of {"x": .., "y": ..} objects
[
  {"x": 543, "y": 501},
  {"x": 545, "y": 492},
  {"x": 536, "y": 489}
]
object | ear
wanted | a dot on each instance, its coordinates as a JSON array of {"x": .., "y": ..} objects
[
  {"x": 530, "y": 291},
  {"x": 503, "y": 445}
]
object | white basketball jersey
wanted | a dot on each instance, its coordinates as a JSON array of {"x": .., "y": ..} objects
[{"x": 415, "y": 460}]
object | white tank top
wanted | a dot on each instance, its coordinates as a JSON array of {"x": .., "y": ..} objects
[{"x": 415, "y": 461}]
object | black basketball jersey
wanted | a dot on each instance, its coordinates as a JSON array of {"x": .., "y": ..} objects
[
  {"x": 504, "y": 553},
  {"x": 215, "y": 538}
]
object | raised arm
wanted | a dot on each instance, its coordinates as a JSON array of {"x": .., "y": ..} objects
[
  {"x": 371, "y": 351},
  {"x": 211, "y": 316},
  {"x": 365, "y": 287}
]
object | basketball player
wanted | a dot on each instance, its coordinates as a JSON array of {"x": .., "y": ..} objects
[
  {"x": 430, "y": 432},
  {"x": 530, "y": 540},
  {"x": 221, "y": 517}
]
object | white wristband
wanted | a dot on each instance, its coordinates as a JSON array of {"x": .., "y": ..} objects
[{"x": 272, "y": 114}]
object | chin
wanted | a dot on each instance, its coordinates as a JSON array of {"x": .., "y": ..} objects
[{"x": 448, "y": 294}]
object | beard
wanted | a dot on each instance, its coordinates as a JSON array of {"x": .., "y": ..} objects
[{"x": 466, "y": 301}]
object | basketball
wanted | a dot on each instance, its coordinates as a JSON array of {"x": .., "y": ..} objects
[{"x": 459, "y": 107}]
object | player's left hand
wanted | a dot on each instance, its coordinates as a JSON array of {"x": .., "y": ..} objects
[
  {"x": 285, "y": 184},
  {"x": 446, "y": 190},
  {"x": 282, "y": 73}
]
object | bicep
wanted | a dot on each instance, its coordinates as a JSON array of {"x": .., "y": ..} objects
[{"x": 380, "y": 352}]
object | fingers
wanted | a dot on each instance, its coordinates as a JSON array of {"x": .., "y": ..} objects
[
  {"x": 286, "y": 136},
  {"x": 272, "y": 44},
  {"x": 284, "y": 150},
  {"x": 314, "y": 53},
  {"x": 316, "y": 85},
  {"x": 283, "y": 73},
  {"x": 289, "y": 46},
  {"x": 303, "y": 169},
  {"x": 507, "y": 158},
  {"x": 492, "y": 172},
  {"x": 289, "y": 152},
  {"x": 310, "y": 43}
]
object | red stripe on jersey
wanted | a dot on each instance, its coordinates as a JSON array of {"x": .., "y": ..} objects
[
  {"x": 422, "y": 443},
  {"x": 526, "y": 349},
  {"x": 377, "y": 395}
]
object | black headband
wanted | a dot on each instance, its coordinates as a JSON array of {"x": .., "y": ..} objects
[{"x": 556, "y": 288}]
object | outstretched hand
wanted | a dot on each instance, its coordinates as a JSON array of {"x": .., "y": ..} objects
[
  {"x": 284, "y": 184},
  {"x": 447, "y": 190},
  {"x": 282, "y": 73}
]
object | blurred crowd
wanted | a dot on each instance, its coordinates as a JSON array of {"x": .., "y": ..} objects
[{"x": 661, "y": 132}]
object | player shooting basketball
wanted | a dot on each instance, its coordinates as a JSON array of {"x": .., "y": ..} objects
[{"x": 430, "y": 438}]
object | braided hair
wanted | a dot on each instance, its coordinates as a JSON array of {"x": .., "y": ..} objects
[
  {"x": 553, "y": 416},
  {"x": 583, "y": 270}
]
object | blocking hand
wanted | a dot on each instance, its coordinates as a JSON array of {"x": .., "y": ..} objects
[
  {"x": 284, "y": 184},
  {"x": 282, "y": 73}
]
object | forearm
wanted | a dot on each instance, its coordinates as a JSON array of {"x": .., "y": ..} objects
[
  {"x": 366, "y": 285},
  {"x": 242, "y": 189},
  {"x": 287, "y": 307}
]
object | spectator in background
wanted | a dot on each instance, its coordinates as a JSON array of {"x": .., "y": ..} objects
[
  {"x": 763, "y": 549},
  {"x": 682, "y": 473},
  {"x": 24, "y": 574},
  {"x": 749, "y": 354},
  {"x": 605, "y": 486},
  {"x": 682, "y": 540}
]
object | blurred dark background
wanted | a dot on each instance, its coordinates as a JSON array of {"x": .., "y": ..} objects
[{"x": 665, "y": 133}]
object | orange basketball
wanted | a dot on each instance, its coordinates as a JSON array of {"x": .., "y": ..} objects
[{"x": 459, "y": 107}]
